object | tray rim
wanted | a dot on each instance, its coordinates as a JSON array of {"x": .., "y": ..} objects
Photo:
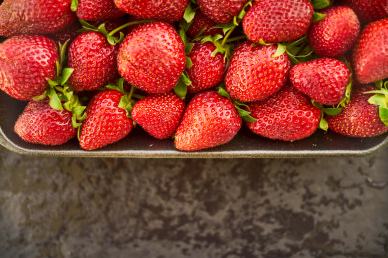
[{"x": 163, "y": 154}]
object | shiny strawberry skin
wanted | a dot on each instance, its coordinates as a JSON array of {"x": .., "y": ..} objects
[
  {"x": 209, "y": 121},
  {"x": 34, "y": 16},
  {"x": 278, "y": 21},
  {"x": 206, "y": 71},
  {"x": 254, "y": 74},
  {"x": 369, "y": 10},
  {"x": 324, "y": 79},
  {"x": 106, "y": 122},
  {"x": 203, "y": 24},
  {"x": 93, "y": 60},
  {"x": 286, "y": 116},
  {"x": 221, "y": 11},
  {"x": 370, "y": 56},
  {"x": 40, "y": 124},
  {"x": 359, "y": 118},
  {"x": 152, "y": 57},
  {"x": 336, "y": 33},
  {"x": 25, "y": 64},
  {"x": 159, "y": 115},
  {"x": 96, "y": 10},
  {"x": 165, "y": 10}
]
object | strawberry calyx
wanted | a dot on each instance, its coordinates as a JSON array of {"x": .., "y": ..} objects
[
  {"x": 318, "y": 5},
  {"x": 380, "y": 99},
  {"x": 181, "y": 88},
  {"x": 61, "y": 96},
  {"x": 74, "y": 5},
  {"x": 242, "y": 108},
  {"x": 110, "y": 35}
]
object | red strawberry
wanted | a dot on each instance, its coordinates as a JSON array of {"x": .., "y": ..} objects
[
  {"x": 336, "y": 33},
  {"x": 371, "y": 53},
  {"x": 106, "y": 122},
  {"x": 359, "y": 118},
  {"x": 152, "y": 57},
  {"x": 93, "y": 60},
  {"x": 202, "y": 24},
  {"x": 369, "y": 10},
  {"x": 207, "y": 71},
  {"x": 221, "y": 11},
  {"x": 324, "y": 79},
  {"x": 96, "y": 10},
  {"x": 209, "y": 121},
  {"x": 166, "y": 10},
  {"x": 26, "y": 62},
  {"x": 278, "y": 21},
  {"x": 40, "y": 124},
  {"x": 254, "y": 74},
  {"x": 159, "y": 115},
  {"x": 286, "y": 116},
  {"x": 34, "y": 16}
]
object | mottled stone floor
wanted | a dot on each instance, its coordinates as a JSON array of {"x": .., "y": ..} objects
[{"x": 331, "y": 207}]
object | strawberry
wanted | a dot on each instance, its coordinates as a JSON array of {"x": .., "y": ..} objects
[
  {"x": 286, "y": 116},
  {"x": 359, "y": 118},
  {"x": 207, "y": 71},
  {"x": 370, "y": 56},
  {"x": 221, "y": 11},
  {"x": 97, "y": 10},
  {"x": 34, "y": 16},
  {"x": 67, "y": 34},
  {"x": 26, "y": 62},
  {"x": 159, "y": 115},
  {"x": 276, "y": 21},
  {"x": 93, "y": 60},
  {"x": 255, "y": 74},
  {"x": 202, "y": 24},
  {"x": 106, "y": 122},
  {"x": 152, "y": 57},
  {"x": 336, "y": 33},
  {"x": 166, "y": 10},
  {"x": 369, "y": 10},
  {"x": 40, "y": 124},
  {"x": 324, "y": 79},
  {"x": 209, "y": 121}
]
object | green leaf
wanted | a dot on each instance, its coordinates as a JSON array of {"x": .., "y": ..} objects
[
  {"x": 74, "y": 5},
  {"x": 318, "y": 17},
  {"x": 188, "y": 48},
  {"x": 189, "y": 14},
  {"x": 66, "y": 74},
  {"x": 189, "y": 62},
  {"x": 332, "y": 111},
  {"x": 186, "y": 80},
  {"x": 222, "y": 92},
  {"x": 280, "y": 50},
  {"x": 249, "y": 119},
  {"x": 378, "y": 100},
  {"x": 54, "y": 102},
  {"x": 323, "y": 124},
  {"x": 379, "y": 84},
  {"x": 383, "y": 113},
  {"x": 40, "y": 97},
  {"x": 52, "y": 83},
  {"x": 88, "y": 26},
  {"x": 321, "y": 4},
  {"x": 181, "y": 90}
]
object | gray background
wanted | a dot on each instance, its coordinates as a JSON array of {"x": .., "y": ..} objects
[{"x": 330, "y": 207}]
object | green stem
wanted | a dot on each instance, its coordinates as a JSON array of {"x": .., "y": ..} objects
[
  {"x": 131, "y": 92},
  {"x": 235, "y": 39},
  {"x": 126, "y": 25},
  {"x": 227, "y": 36}
]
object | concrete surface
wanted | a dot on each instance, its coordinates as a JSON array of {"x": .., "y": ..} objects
[{"x": 332, "y": 207}]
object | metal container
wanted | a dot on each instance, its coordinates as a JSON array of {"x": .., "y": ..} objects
[{"x": 139, "y": 145}]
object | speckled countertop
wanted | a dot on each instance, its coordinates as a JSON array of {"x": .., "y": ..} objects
[{"x": 331, "y": 207}]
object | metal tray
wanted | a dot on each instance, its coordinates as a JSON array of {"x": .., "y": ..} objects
[{"x": 140, "y": 145}]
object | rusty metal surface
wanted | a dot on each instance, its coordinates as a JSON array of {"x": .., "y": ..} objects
[{"x": 329, "y": 207}]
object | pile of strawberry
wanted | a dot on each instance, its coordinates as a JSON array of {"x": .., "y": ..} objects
[{"x": 194, "y": 71}]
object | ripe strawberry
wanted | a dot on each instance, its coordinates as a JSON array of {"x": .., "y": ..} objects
[
  {"x": 324, "y": 79},
  {"x": 369, "y": 10},
  {"x": 221, "y": 11},
  {"x": 34, "y": 16},
  {"x": 26, "y": 62},
  {"x": 359, "y": 118},
  {"x": 40, "y": 124},
  {"x": 159, "y": 115},
  {"x": 254, "y": 74},
  {"x": 166, "y": 10},
  {"x": 286, "y": 116},
  {"x": 370, "y": 56},
  {"x": 207, "y": 71},
  {"x": 278, "y": 21},
  {"x": 202, "y": 24},
  {"x": 209, "y": 121},
  {"x": 93, "y": 60},
  {"x": 97, "y": 10},
  {"x": 152, "y": 57},
  {"x": 106, "y": 122},
  {"x": 336, "y": 33}
]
